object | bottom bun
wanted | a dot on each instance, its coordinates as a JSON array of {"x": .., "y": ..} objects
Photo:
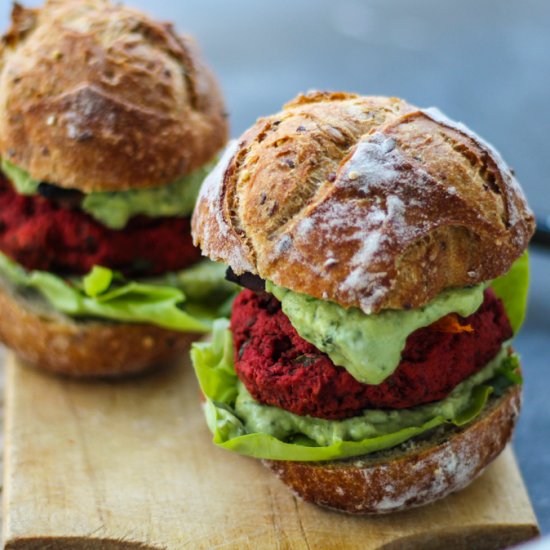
[
  {"x": 417, "y": 472},
  {"x": 83, "y": 348}
]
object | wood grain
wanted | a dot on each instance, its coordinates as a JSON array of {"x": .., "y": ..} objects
[{"x": 124, "y": 465}]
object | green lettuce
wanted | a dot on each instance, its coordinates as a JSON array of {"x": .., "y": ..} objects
[
  {"x": 205, "y": 286},
  {"x": 512, "y": 289},
  {"x": 114, "y": 208},
  {"x": 98, "y": 281},
  {"x": 213, "y": 362},
  {"x": 106, "y": 294}
]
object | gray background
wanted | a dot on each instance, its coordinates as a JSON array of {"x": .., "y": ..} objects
[{"x": 485, "y": 62}]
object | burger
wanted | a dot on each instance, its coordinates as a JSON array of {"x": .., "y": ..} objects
[
  {"x": 109, "y": 122},
  {"x": 367, "y": 361}
]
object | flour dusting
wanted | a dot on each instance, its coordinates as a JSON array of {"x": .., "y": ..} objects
[
  {"x": 437, "y": 116},
  {"x": 86, "y": 104},
  {"x": 369, "y": 223},
  {"x": 214, "y": 228}
]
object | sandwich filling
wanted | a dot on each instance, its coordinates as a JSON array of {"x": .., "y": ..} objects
[
  {"x": 116, "y": 208},
  {"x": 279, "y": 367},
  {"x": 273, "y": 389},
  {"x": 55, "y": 241},
  {"x": 369, "y": 346}
]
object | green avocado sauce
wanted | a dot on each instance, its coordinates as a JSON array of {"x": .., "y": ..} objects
[
  {"x": 281, "y": 424},
  {"x": 368, "y": 346},
  {"x": 114, "y": 209}
]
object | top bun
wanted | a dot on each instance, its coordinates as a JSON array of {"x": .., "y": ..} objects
[
  {"x": 98, "y": 97},
  {"x": 365, "y": 201}
]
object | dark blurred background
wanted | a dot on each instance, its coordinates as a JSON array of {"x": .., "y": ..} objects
[{"x": 484, "y": 62}]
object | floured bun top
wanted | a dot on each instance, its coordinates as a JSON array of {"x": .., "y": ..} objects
[
  {"x": 364, "y": 201},
  {"x": 98, "y": 97}
]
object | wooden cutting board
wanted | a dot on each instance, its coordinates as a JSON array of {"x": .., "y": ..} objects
[{"x": 116, "y": 465}]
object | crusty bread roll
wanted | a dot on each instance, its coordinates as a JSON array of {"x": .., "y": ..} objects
[
  {"x": 84, "y": 348},
  {"x": 97, "y": 97},
  {"x": 415, "y": 473},
  {"x": 354, "y": 199},
  {"x": 372, "y": 203}
]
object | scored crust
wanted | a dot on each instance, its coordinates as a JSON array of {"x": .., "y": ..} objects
[
  {"x": 62, "y": 345},
  {"x": 365, "y": 201},
  {"x": 407, "y": 476},
  {"x": 98, "y": 97}
]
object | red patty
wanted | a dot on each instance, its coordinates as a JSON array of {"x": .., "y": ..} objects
[
  {"x": 39, "y": 234},
  {"x": 280, "y": 368}
]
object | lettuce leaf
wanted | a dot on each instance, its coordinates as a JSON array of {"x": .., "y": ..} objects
[
  {"x": 98, "y": 280},
  {"x": 213, "y": 362},
  {"x": 512, "y": 289},
  {"x": 203, "y": 282},
  {"x": 106, "y": 294}
]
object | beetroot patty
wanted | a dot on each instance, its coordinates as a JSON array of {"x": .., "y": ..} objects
[
  {"x": 280, "y": 368},
  {"x": 39, "y": 234}
]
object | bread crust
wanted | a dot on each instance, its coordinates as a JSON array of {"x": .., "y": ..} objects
[
  {"x": 98, "y": 97},
  {"x": 406, "y": 478},
  {"x": 366, "y": 201},
  {"x": 89, "y": 349}
]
